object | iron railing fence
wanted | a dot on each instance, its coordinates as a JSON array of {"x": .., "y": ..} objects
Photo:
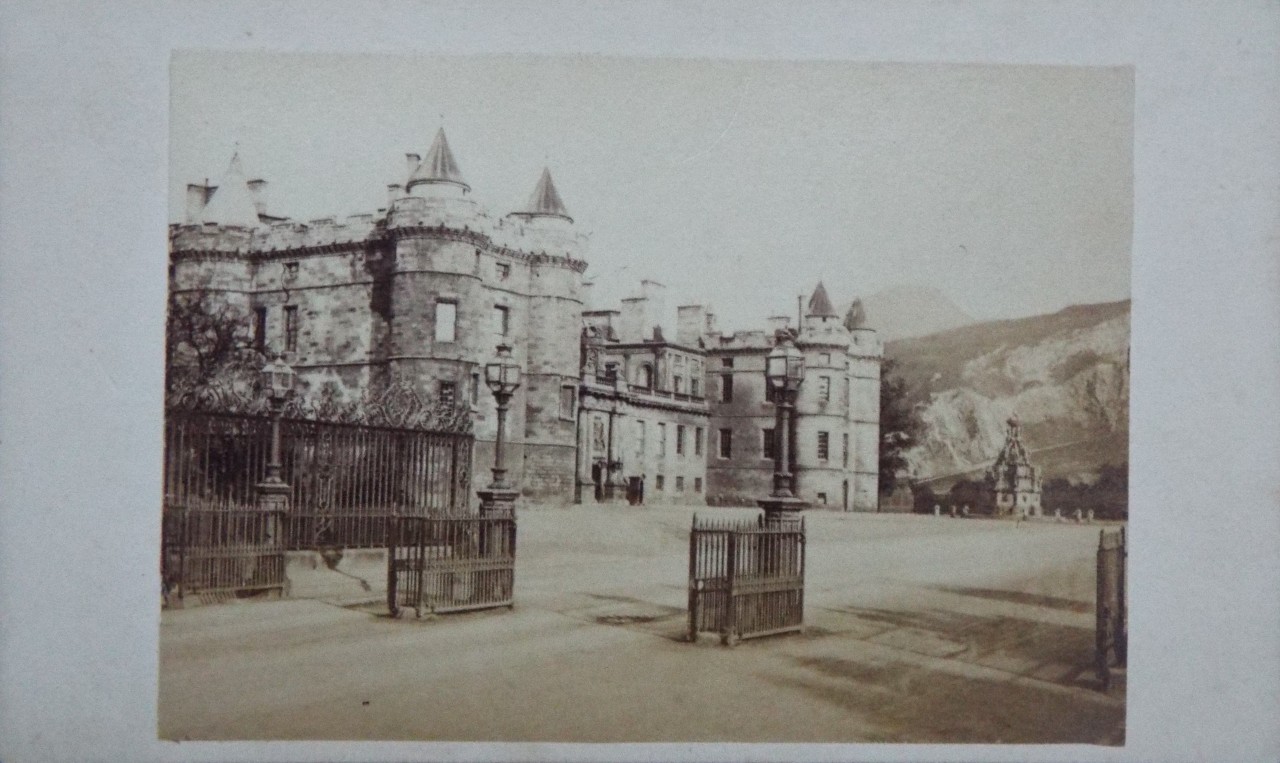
[
  {"x": 746, "y": 578},
  {"x": 1112, "y": 629},
  {"x": 220, "y": 553},
  {"x": 438, "y": 565},
  {"x": 346, "y": 480}
]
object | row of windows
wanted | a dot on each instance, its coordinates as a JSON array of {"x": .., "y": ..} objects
[
  {"x": 681, "y": 439},
  {"x": 446, "y": 320},
  {"x": 290, "y": 329},
  {"x": 770, "y": 394},
  {"x": 660, "y": 483},
  {"x": 767, "y": 445}
]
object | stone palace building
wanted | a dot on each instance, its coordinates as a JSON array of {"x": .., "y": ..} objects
[{"x": 613, "y": 407}]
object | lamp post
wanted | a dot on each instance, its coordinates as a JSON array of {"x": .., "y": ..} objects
[
  {"x": 277, "y": 380},
  {"x": 502, "y": 376},
  {"x": 784, "y": 372}
]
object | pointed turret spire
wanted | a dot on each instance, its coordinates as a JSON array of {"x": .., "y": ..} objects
[
  {"x": 856, "y": 317},
  {"x": 820, "y": 304},
  {"x": 232, "y": 203},
  {"x": 439, "y": 166},
  {"x": 545, "y": 200}
]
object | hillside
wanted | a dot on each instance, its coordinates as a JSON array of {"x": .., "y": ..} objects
[
  {"x": 1066, "y": 375},
  {"x": 908, "y": 311}
]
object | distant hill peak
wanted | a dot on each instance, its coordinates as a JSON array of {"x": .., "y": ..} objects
[{"x": 902, "y": 311}]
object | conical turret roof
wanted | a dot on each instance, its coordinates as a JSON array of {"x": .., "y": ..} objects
[
  {"x": 439, "y": 166},
  {"x": 232, "y": 203},
  {"x": 820, "y": 304},
  {"x": 545, "y": 200},
  {"x": 856, "y": 317}
]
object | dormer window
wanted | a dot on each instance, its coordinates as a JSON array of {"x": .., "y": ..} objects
[
  {"x": 503, "y": 271},
  {"x": 290, "y": 271}
]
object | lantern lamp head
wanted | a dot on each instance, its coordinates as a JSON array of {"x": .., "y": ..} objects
[
  {"x": 784, "y": 365},
  {"x": 502, "y": 375},
  {"x": 277, "y": 379}
]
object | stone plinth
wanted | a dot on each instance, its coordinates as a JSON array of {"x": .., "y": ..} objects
[
  {"x": 498, "y": 501},
  {"x": 782, "y": 512}
]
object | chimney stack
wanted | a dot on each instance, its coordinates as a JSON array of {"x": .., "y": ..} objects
[
  {"x": 394, "y": 191},
  {"x": 197, "y": 197},
  {"x": 779, "y": 323},
  {"x": 413, "y": 160},
  {"x": 258, "y": 190},
  {"x": 690, "y": 321}
]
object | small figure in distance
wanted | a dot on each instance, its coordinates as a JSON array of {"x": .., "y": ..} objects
[
  {"x": 937, "y": 510},
  {"x": 966, "y": 510}
]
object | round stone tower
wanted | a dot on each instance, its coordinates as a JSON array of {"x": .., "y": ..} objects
[
  {"x": 822, "y": 408},
  {"x": 866, "y": 356},
  {"x": 437, "y": 310},
  {"x": 544, "y": 233}
]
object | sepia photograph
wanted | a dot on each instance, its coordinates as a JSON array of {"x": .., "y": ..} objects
[{"x": 606, "y": 399}]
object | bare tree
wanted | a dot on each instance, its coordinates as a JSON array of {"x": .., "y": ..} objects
[{"x": 206, "y": 339}]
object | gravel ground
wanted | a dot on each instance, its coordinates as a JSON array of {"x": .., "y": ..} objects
[{"x": 918, "y": 629}]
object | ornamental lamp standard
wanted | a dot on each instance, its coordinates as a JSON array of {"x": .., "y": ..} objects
[
  {"x": 277, "y": 380},
  {"x": 784, "y": 371},
  {"x": 502, "y": 376}
]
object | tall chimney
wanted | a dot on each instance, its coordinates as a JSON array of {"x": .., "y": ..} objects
[
  {"x": 588, "y": 288},
  {"x": 413, "y": 160},
  {"x": 690, "y": 320},
  {"x": 779, "y": 322},
  {"x": 631, "y": 322},
  {"x": 394, "y": 191},
  {"x": 258, "y": 190},
  {"x": 197, "y": 196}
]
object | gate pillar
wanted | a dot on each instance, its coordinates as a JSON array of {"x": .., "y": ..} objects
[{"x": 273, "y": 502}]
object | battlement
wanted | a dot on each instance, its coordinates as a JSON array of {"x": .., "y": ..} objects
[{"x": 282, "y": 236}]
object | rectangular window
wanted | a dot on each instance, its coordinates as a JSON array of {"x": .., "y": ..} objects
[
  {"x": 822, "y": 498},
  {"x": 475, "y": 388},
  {"x": 662, "y": 440},
  {"x": 291, "y": 328},
  {"x": 824, "y": 446},
  {"x": 260, "y": 329},
  {"x": 726, "y": 362},
  {"x": 679, "y": 439},
  {"x": 659, "y": 482},
  {"x": 446, "y": 321},
  {"x": 824, "y": 388},
  {"x": 766, "y": 444},
  {"x": 697, "y": 484},
  {"x": 501, "y": 320},
  {"x": 770, "y": 392},
  {"x": 504, "y": 271},
  {"x": 726, "y": 388},
  {"x": 697, "y": 441},
  {"x": 726, "y": 443},
  {"x": 844, "y": 443},
  {"x": 679, "y": 484},
  {"x": 824, "y": 359},
  {"x": 640, "y": 436},
  {"x": 568, "y": 397},
  {"x": 695, "y": 387},
  {"x": 447, "y": 392}
]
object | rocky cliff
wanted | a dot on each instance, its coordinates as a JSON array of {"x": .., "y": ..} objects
[{"x": 1066, "y": 375}]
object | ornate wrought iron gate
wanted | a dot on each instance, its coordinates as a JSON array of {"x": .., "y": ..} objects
[
  {"x": 451, "y": 564},
  {"x": 350, "y": 468},
  {"x": 1112, "y": 630},
  {"x": 746, "y": 579}
]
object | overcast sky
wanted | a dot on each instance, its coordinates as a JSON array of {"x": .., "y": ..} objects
[{"x": 738, "y": 184}]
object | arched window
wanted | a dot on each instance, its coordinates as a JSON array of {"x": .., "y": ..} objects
[{"x": 644, "y": 376}]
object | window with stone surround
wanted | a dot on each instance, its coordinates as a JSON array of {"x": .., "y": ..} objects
[
  {"x": 660, "y": 481},
  {"x": 291, "y": 328},
  {"x": 726, "y": 388},
  {"x": 662, "y": 439},
  {"x": 679, "y": 484},
  {"x": 260, "y": 329},
  {"x": 501, "y": 320},
  {"x": 446, "y": 321},
  {"x": 766, "y": 443},
  {"x": 824, "y": 446},
  {"x": 568, "y": 398},
  {"x": 447, "y": 393},
  {"x": 824, "y": 359},
  {"x": 697, "y": 441},
  {"x": 503, "y": 270},
  {"x": 475, "y": 388},
  {"x": 679, "y": 439},
  {"x": 726, "y": 443},
  {"x": 697, "y": 484},
  {"x": 824, "y": 388},
  {"x": 844, "y": 442}
]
